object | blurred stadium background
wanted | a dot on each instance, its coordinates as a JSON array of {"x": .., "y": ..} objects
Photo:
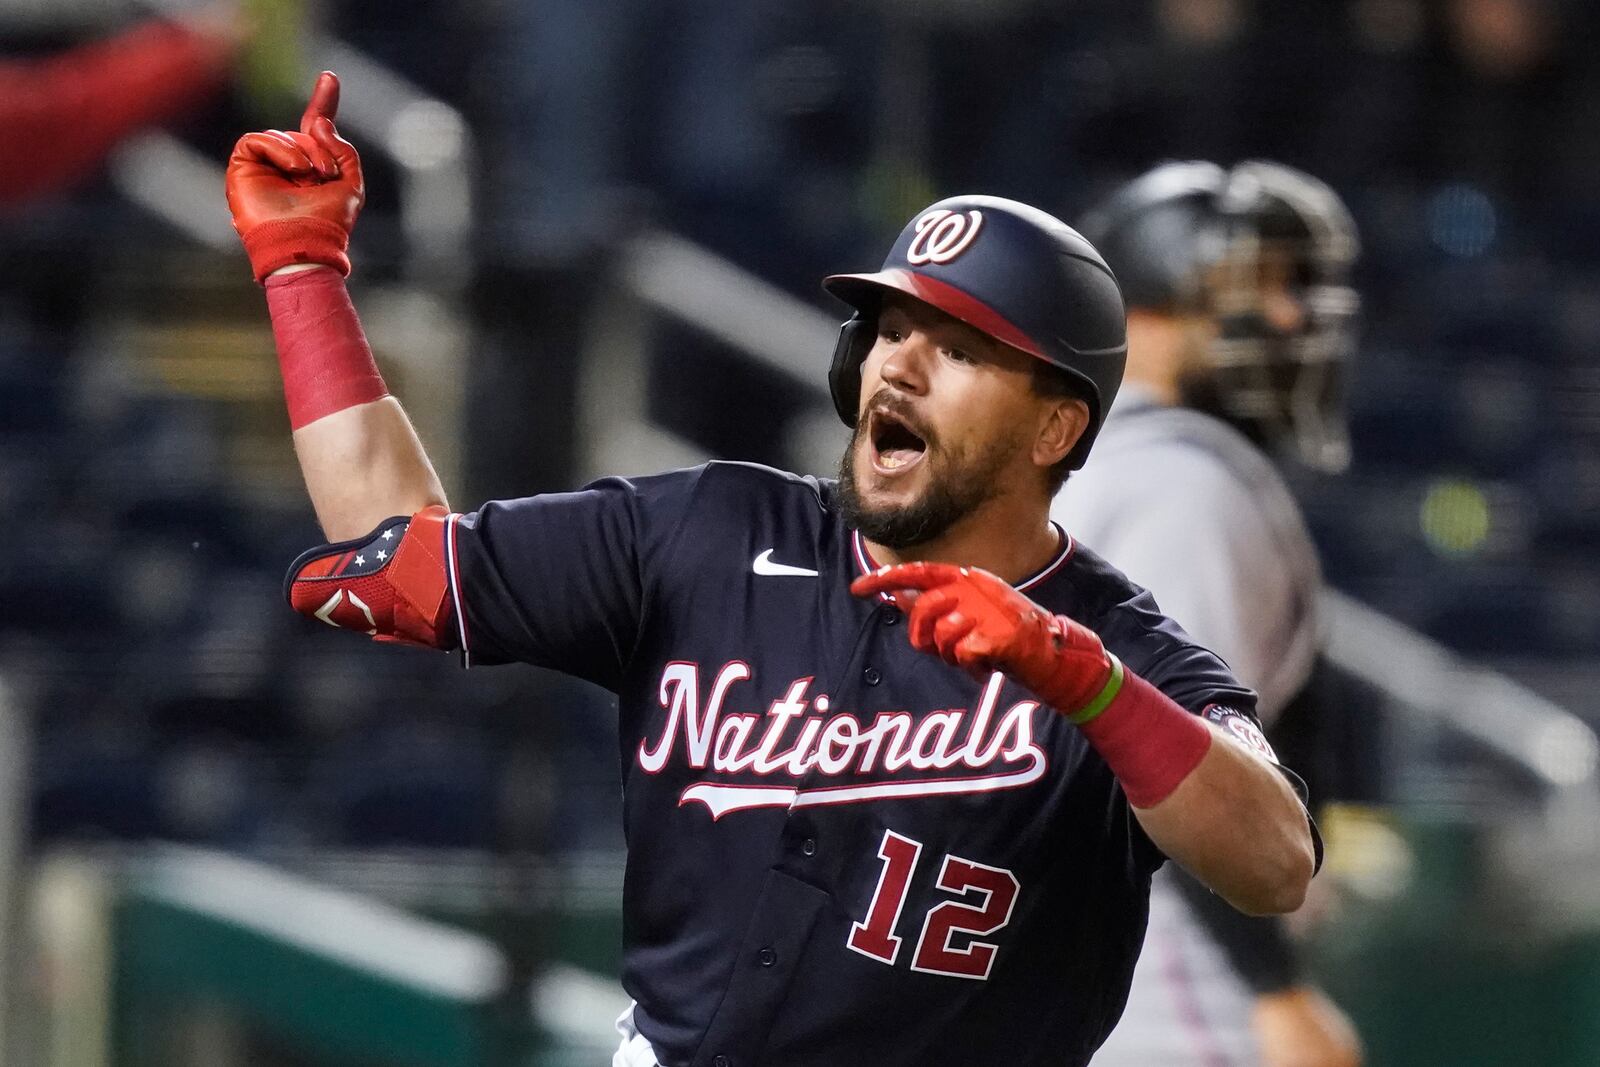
[{"x": 593, "y": 239}]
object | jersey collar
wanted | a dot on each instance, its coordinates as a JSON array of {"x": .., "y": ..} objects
[{"x": 866, "y": 565}]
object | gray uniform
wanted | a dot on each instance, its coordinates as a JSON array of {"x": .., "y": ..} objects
[{"x": 1190, "y": 509}]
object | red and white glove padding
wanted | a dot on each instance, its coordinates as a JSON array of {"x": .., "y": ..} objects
[
  {"x": 392, "y": 584},
  {"x": 295, "y": 196},
  {"x": 972, "y": 619}
]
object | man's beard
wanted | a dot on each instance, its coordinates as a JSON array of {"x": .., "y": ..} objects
[{"x": 955, "y": 490}]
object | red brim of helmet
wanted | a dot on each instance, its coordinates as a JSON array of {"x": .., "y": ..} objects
[{"x": 865, "y": 290}]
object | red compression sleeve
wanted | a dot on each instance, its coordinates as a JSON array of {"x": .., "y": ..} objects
[
  {"x": 1148, "y": 741},
  {"x": 326, "y": 362}
]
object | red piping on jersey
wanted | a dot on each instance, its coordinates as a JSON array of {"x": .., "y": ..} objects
[
  {"x": 1067, "y": 547},
  {"x": 864, "y": 561},
  {"x": 455, "y": 588},
  {"x": 867, "y": 564}
]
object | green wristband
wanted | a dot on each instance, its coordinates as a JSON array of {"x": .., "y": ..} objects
[{"x": 1103, "y": 699}]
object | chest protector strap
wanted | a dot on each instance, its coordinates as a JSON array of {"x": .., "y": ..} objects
[{"x": 392, "y": 584}]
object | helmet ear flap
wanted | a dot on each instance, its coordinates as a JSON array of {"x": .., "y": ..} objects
[{"x": 844, "y": 377}]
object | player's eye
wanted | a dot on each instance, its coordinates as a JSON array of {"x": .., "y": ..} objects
[
  {"x": 960, "y": 355},
  {"x": 890, "y": 334}
]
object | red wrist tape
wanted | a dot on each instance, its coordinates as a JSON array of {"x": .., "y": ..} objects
[
  {"x": 286, "y": 242},
  {"x": 326, "y": 362},
  {"x": 1148, "y": 741}
]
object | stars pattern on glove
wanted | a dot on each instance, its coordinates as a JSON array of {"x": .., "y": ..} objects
[{"x": 367, "y": 561}]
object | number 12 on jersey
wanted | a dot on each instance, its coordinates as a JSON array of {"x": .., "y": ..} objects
[{"x": 996, "y": 890}]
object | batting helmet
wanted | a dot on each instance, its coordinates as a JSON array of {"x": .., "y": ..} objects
[
  {"x": 1194, "y": 238},
  {"x": 1021, "y": 276}
]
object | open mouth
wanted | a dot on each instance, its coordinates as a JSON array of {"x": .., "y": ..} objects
[{"x": 895, "y": 446}]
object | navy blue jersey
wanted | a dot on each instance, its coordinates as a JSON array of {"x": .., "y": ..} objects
[{"x": 840, "y": 850}]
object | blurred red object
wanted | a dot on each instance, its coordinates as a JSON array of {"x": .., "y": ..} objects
[{"x": 61, "y": 115}]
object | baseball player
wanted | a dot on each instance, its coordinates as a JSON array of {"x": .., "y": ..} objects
[
  {"x": 1239, "y": 325},
  {"x": 899, "y": 757}
]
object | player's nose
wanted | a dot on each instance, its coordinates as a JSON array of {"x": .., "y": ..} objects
[{"x": 905, "y": 367}]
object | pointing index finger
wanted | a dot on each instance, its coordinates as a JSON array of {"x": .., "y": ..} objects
[
  {"x": 920, "y": 575},
  {"x": 324, "y": 101}
]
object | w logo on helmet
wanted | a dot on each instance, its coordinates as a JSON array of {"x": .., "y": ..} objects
[{"x": 942, "y": 235}]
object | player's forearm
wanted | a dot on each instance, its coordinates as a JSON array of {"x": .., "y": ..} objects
[
  {"x": 363, "y": 465},
  {"x": 361, "y": 458},
  {"x": 1235, "y": 823}
]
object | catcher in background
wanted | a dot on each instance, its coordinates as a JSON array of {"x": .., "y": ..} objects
[{"x": 1239, "y": 326}]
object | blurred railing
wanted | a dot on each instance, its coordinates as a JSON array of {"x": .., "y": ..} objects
[
  {"x": 1440, "y": 689},
  {"x": 662, "y": 274}
]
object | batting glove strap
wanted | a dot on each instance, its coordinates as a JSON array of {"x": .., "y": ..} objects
[
  {"x": 1103, "y": 699},
  {"x": 286, "y": 242}
]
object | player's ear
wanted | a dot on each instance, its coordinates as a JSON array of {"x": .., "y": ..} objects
[{"x": 1062, "y": 421}]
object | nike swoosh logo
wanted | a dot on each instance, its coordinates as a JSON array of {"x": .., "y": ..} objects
[{"x": 763, "y": 565}]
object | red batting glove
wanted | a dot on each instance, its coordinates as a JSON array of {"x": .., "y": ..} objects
[
  {"x": 973, "y": 619},
  {"x": 295, "y": 196}
]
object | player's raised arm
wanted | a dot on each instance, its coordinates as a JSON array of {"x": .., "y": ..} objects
[{"x": 294, "y": 197}]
